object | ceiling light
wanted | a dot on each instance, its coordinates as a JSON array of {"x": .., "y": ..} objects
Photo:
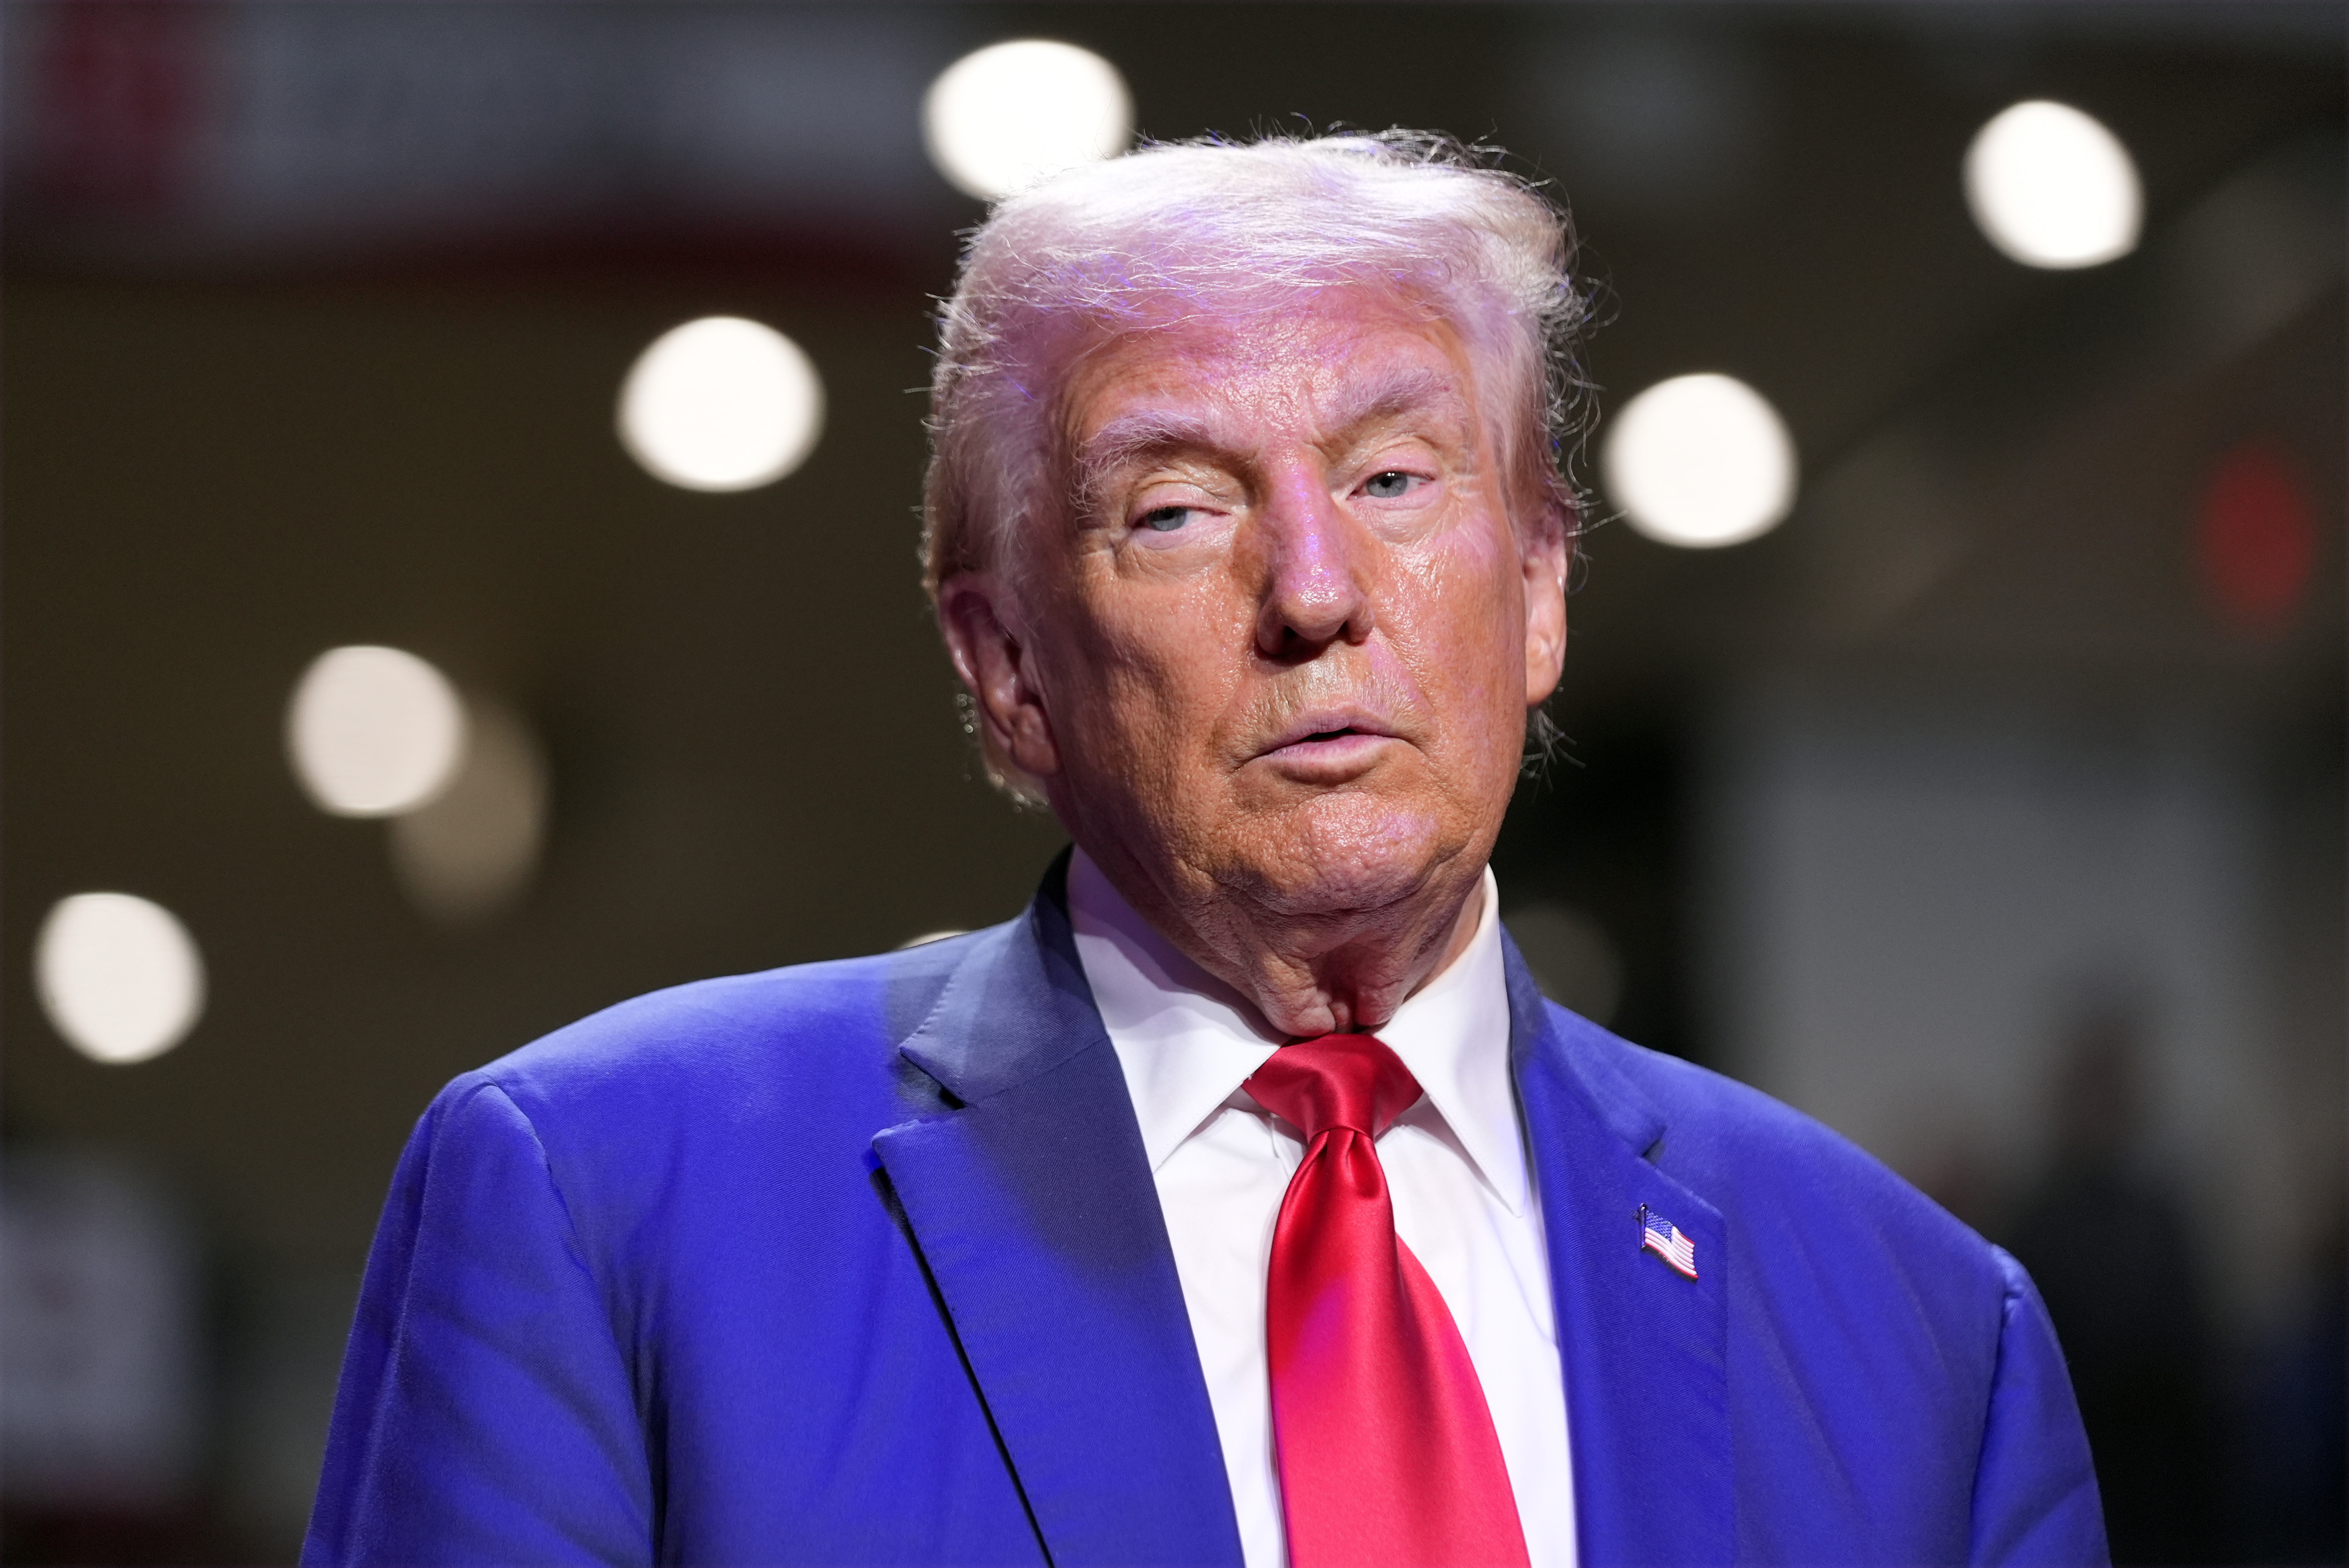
[
  {"x": 1699, "y": 460},
  {"x": 120, "y": 977},
  {"x": 721, "y": 403},
  {"x": 373, "y": 731},
  {"x": 1000, "y": 120},
  {"x": 2053, "y": 188}
]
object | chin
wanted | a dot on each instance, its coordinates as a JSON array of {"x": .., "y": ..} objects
[{"x": 1344, "y": 853}]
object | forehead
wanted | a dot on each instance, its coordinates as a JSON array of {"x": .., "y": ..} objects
[{"x": 1328, "y": 360}]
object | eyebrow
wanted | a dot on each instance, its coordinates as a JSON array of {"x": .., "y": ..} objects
[
  {"x": 1155, "y": 432},
  {"x": 1403, "y": 390}
]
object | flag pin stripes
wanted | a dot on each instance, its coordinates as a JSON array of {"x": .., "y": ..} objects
[{"x": 1667, "y": 1241}]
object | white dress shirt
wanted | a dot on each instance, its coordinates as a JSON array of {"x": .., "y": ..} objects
[{"x": 1455, "y": 1163}]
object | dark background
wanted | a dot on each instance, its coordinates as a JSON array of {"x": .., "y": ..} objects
[{"x": 313, "y": 325}]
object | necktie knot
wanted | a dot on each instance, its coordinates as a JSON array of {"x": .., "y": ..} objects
[{"x": 1351, "y": 1081}]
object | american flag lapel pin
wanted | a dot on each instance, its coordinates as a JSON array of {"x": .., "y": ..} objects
[{"x": 1666, "y": 1241}]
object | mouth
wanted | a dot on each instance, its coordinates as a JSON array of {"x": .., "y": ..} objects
[{"x": 1326, "y": 742}]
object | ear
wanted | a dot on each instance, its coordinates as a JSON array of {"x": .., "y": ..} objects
[
  {"x": 998, "y": 668},
  {"x": 1547, "y": 549}
]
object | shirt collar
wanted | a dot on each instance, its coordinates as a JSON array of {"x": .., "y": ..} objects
[{"x": 1187, "y": 1041}]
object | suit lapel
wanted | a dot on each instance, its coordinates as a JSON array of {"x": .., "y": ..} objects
[
  {"x": 1036, "y": 1214},
  {"x": 1644, "y": 1348}
]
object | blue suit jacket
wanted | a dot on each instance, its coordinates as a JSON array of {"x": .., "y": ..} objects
[{"x": 861, "y": 1262}]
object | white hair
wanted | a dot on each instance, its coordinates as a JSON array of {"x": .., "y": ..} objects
[{"x": 1229, "y": 231}]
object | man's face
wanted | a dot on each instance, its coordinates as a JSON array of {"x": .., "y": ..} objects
[{"x": 1285, "y": 649}]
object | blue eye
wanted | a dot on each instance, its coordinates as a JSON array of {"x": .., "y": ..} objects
[
  {"x": 1165, "y": 519},
  {"x": 1387, "y": 486}
]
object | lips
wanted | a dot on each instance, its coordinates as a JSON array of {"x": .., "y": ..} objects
[{"x": 1322, "y": 726}]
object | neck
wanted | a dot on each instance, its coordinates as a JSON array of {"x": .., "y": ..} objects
[{"x": 1318, "y": 972}]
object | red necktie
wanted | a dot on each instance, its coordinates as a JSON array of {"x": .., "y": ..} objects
[{"x": 1386, "y": 1448}]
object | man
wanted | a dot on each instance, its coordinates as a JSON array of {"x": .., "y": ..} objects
[{"x": 1243, "y": 1200}]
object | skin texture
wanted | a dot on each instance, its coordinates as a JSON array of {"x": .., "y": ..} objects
[{"x": 1273, "y": 669}]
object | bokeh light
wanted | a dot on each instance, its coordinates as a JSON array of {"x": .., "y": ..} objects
[
  {"x": 2053, "y": 188},
  {"x": 1700, "y": 461},
  {"x": 1008, "y": 115},
  {"x": 373, "y": 732},
  {"x": 721, "y": 403},
  {"x": 468, "y": 856},
  {"x": 119, "y": 976}
]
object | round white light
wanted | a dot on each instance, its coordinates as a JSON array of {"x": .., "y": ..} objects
[
  {"x": 120, "y": 977},
  {"x": 1000, "y": 119},
  {"x": 721, "y": 403},
  {"x": 1699, "y": 460},
  {"x": 373, "y": 732},
  {"x": 2053, "y": 188}
]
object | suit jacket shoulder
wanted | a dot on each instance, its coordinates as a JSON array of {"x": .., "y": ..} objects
[
  {"x": 746, "y": 1039},
  {"x": 1891, "y": 1388},
  {"x": 637, "y": 1296},
  {"x": 1785, "y": 1179}
]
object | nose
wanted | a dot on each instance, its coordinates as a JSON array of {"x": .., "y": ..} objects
[{"x": 1317, "y": 571}]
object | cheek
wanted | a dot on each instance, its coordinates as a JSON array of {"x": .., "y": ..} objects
[
  {"x": 1464, "y": 617},
  {"x": 1158, "y": 662}
]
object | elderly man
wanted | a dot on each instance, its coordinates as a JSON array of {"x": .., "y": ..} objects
[{"x": 1243, "y": 1200}]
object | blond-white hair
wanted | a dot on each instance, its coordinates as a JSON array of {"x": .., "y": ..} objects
[{"x": 1230, "y": 231}]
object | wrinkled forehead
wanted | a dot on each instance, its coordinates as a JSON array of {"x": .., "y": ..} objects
[{"x": 1328, "y": 359}]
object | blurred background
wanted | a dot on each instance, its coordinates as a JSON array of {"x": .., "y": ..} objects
[{"x": 413, "y": 642}]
